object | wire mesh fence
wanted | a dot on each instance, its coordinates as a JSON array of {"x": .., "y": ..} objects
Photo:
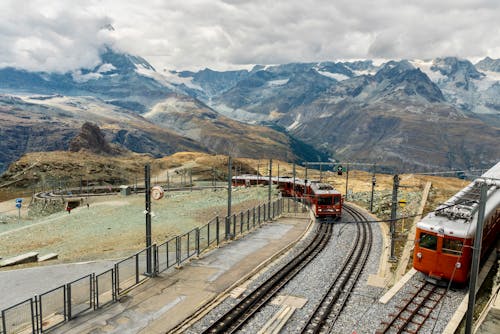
[
  {"x": 104, "y": 288},
  {"x": 54, "y": 307},
  {"x": 80, "y": 294},
  {"x": 19, "y": 318},
  {"x": 126, "y": 274},
  {"x": 166, "y": 254}
]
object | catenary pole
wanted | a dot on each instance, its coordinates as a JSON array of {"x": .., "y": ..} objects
[
  {"x": 147, "y": 182},
  {"x": 475, "y": 259},
  {"x": 394, "y": 206}
]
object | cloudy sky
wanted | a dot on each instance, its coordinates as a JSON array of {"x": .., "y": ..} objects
[{"x": 61, "y": 35}]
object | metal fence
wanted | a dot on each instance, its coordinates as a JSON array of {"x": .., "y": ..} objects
[{"x": 53, "y": 308}]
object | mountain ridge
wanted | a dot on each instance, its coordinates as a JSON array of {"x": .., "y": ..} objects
[{"x": 315, "y": 106}]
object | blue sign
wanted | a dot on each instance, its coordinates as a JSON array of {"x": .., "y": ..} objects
[
  {"x": 19, "y": 200},
  {"x": 18, "y": 205}
]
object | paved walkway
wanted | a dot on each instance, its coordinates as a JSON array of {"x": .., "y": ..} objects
[{"x": 162, "y": 303}]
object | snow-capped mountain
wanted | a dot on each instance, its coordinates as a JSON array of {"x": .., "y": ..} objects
[{"x": 418, "y": 114}]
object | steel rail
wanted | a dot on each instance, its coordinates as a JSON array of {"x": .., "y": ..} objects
[
  {"x": 413, "y": 308},
  {"x": 324, "y": 316},
  {"x": 243, "y": 311}
]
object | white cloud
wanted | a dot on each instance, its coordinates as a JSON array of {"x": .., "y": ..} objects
[{"x": 179, "y": 34}]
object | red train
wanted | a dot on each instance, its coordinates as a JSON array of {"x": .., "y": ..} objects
[
  {"x": 444, "y": 238},
  {"x": 324, "y": 200}
]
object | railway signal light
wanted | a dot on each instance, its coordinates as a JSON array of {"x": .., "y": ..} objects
[{"x": 339, "y": 170}]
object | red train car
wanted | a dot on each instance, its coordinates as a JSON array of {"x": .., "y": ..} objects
[
  {"x": 324, "y": 200},
  {"x": 445, "y": 237}
]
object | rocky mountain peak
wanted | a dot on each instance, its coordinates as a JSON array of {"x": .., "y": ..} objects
[
  {"x": 488, "y": 64},
  {"x": 459, "y": 71}
]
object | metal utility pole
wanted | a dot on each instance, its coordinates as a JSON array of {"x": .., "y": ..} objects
[
  {"x": 320, "y": 173},
  {"x": 374, "y": 181},
  {"x": 229, "y": 185},
  {"x": 147, "y": 182},
  {"x": 229, "y": 188},
  {"x": 306, "y": 173},
  {"x": 475, "y": 259},
  {"x": 394, "y": 207},
  {"x": 270, "y": 181},
  {"x": 346, "y": 179},
  {"x": 294, "y": 180}
]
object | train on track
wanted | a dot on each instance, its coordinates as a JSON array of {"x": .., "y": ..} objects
[
  {"x": 444, "y": 238},
  {"x": 324, "y": 200}
]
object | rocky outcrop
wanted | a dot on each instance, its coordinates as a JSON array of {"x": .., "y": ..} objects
[{"x": 91, "y": 138}]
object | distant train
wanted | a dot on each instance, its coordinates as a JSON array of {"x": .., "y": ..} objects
[
  {"x": 324, "y": 200},
  {"x": 444, "y": 238}
]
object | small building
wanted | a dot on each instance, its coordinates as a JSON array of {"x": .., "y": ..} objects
[{"x": 125, "y": 190}]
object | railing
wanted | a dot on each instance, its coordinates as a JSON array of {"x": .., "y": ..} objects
[{"x": 90, "y": 292}]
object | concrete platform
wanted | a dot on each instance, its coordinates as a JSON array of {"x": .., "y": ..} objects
[
  {"x": 23, "y": 258},
  {"x": 163, "y": 303}
]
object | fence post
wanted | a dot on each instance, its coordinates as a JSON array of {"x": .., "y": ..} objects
[
  {"x": 117, "y": 281},
  {"x": 227, "y": 227},
  {"x": 197, "y": 242},
  {"x": 35, "y": 318},
  {"x": 93, "y": 295},
  {"x": 68, "y": 301},
  {"x": 217, "y": 229},
  {"x": 113, "y": 284},
  {"x": 248, "y": 220},
  {"x": 253, "y": 219},
  {"x": 208, "y": 234},
  {"x": 156, "y": 267},
  {"x": 234, "y": 226},
  {"x": 178, "y": 251},
  {"x": 137, "y": 268},
  {"x": 241, "y": 222},
  {"x": 258, "y": 209}
]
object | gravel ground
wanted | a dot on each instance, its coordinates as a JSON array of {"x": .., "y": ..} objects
[
  {"x": 362, "y": 313},
  {"x": 114, "y": 227}
]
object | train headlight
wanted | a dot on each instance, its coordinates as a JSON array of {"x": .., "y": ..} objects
[
  {"x": 458, "y": 265},
  {"x": 419, "y": 255}
]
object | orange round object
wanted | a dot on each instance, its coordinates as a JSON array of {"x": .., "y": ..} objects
[{"x": 157, "y": 192}]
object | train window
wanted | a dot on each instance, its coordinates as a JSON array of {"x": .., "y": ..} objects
[
  {"x": 324, "y": 200},
  {"x": 452, "y": 246},
  {"x": 336, "y": 200},
  {"x": 428, "y": 241}
]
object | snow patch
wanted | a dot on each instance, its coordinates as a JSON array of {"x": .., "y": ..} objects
[
  {"x": 425, "y": 66},
  {"x": 276, "y": 83},
  {"x": 104, "y": 68},
  {"x": 364, "y": 72},
  {"x": 80, "y": 78},
  {"x": 147, "y": 72},
  {"x": 174, "y": 78},
  {"x": 336, "y": 76},
  {"x": 295, "y": 123},
  {"x": 487, "y": 81}
]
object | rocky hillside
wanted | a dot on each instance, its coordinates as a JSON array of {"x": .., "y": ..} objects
[
  {"x": 410, "y": 114},
  {"x": 419, "y": 115}
]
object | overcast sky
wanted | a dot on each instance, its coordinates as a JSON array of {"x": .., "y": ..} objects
[{"x": 62, "y": 35}]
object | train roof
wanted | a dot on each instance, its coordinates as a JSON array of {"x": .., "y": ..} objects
[
  {"x": 318, "y": 187},
  {"x": 458, "y": 215},
  {"x": 323, "y": 189}
]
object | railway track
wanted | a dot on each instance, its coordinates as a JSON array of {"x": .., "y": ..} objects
[
  {"x": 333, "y": 301},
  {"x": 248, "y": 306},
  {"x": 417, "y": 309}
]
